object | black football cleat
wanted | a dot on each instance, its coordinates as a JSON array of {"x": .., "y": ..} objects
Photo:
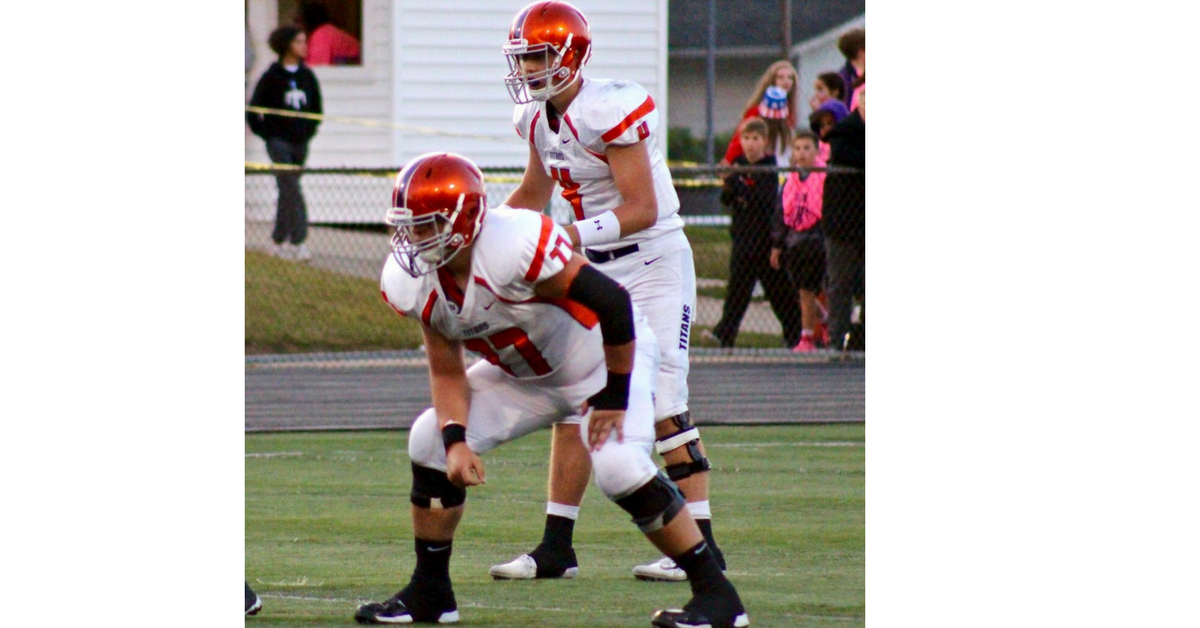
[
  {"x": 679, "y": 618},
  {"x": 719, "y": 608},
  {"x": 393, "y": 611},
  {"x": 253, "y": 602},
  {"x": 422, "y": 601}
]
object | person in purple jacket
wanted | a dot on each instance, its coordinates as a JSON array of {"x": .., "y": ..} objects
[{"x": 853, "y": 46}]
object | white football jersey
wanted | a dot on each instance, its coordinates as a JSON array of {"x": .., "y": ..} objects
[
  {"x": 605, "y": 112},
  {"x": 499, "y": 316}
]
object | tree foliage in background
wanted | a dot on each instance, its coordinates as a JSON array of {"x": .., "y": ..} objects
[{"x": 682, "y": 146}]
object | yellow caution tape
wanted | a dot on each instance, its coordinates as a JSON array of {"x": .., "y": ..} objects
[
  {"x": 369, "y": 172},
  {"x": 424, "y": 130}
]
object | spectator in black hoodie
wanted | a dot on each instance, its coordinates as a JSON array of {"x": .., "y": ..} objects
[
  {"x": 844, "y": 223},
  {"x": 288, "y": 84},
  {"x": 751, "y": 198}
]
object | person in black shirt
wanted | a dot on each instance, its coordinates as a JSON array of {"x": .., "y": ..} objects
[
  {"x": 288, "y": 84},
  {"x": 751, "y": 198},
  {"x": 844, "y": 224}
]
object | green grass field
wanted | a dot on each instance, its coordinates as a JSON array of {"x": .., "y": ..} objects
[
  {"x": 710, "y": 251},
  {"x": 327, "y": 526},
  {"x": 294, "y": 308}
]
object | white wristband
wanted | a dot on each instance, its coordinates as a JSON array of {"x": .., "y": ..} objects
[{"x": 602, "y": 229}]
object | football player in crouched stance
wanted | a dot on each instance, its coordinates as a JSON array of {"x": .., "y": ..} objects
[
  {"x": 560, "y": 342},
  {"x": 597, "y": 140}
]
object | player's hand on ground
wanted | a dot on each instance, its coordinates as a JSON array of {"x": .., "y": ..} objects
[
  {"x": 775, "y": 258},
  {"x": 603, "y": 423},
  {"x": 464, "y": 467}
]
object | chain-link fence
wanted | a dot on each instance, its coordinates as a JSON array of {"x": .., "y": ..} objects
[{"x": 767, "y": 273}]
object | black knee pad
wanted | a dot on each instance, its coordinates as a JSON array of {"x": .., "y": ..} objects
[
  {"x": 653, "y": 505},
  {"x": 685, "y": 436},
  {"x": 432, "y": 489}
]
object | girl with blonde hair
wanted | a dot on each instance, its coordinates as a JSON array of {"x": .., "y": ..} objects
[{"x": 773, "y": 100}]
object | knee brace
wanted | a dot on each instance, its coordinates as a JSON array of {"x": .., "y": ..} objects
[
  {"x": 653, "y": 505},
  {"x": 685, "y": 436},
  {"x": 432, "y": 489}
]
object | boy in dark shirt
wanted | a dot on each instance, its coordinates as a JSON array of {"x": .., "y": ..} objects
[{"x": 751, "y": 198}]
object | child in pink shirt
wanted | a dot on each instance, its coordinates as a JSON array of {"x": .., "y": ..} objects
[{"x": 798, "y": 244}]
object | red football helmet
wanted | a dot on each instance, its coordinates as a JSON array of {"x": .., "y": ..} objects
[
  {"x": 438, "y": 205},
  {"x": 556, "y": 34}
]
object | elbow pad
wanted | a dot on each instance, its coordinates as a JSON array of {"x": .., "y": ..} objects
[{"x": 600, "y": 294}]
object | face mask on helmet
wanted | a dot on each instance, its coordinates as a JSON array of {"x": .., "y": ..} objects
[
  {"x": 536, "y": 72},
  {"x": 423, "y": 244}
]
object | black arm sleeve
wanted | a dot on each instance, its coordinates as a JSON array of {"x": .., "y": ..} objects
[{"x": 600, "y": 294}]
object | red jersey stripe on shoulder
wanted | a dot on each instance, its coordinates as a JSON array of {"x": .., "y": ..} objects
[
  {"x": 428, "y": 311},
  {"x": 395, "y": 309},
  {"x": 646, "y": 107},
  {"x": 532, "y": 126},
  {"x": 539, "y": 256}
]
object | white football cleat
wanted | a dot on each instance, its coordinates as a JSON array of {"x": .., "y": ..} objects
[
  {"x": 524, "y": 567},
  {"x": 661, "y": 570}
]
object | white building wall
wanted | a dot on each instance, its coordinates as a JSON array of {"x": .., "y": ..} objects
[
  {"x": 450, "y": 70},
  {"x": 437, "y": 66}
]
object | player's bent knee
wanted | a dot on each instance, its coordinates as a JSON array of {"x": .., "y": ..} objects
[
  {"x": 432, "y": 489},
  {"x": 685, "y": 435},
  {"x": 618, "y": 475},
  {"x": 425, "y": 444},
  {"x": 653, "y": 505}
]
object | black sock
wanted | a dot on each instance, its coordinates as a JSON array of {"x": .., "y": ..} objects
[
  {"x": 701, "y": 567},
  {"x": 433, "y": 559},
  {"x": 558, "y": 533},
  {"x": 554, "y": 554},
  {"x": 705, "y": 526}
]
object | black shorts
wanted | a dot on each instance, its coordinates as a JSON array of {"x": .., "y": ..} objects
[{"x": 805, "y": 263}]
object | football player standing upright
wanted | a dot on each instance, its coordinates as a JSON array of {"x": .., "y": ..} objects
[{"x": 593, "y": 137}]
